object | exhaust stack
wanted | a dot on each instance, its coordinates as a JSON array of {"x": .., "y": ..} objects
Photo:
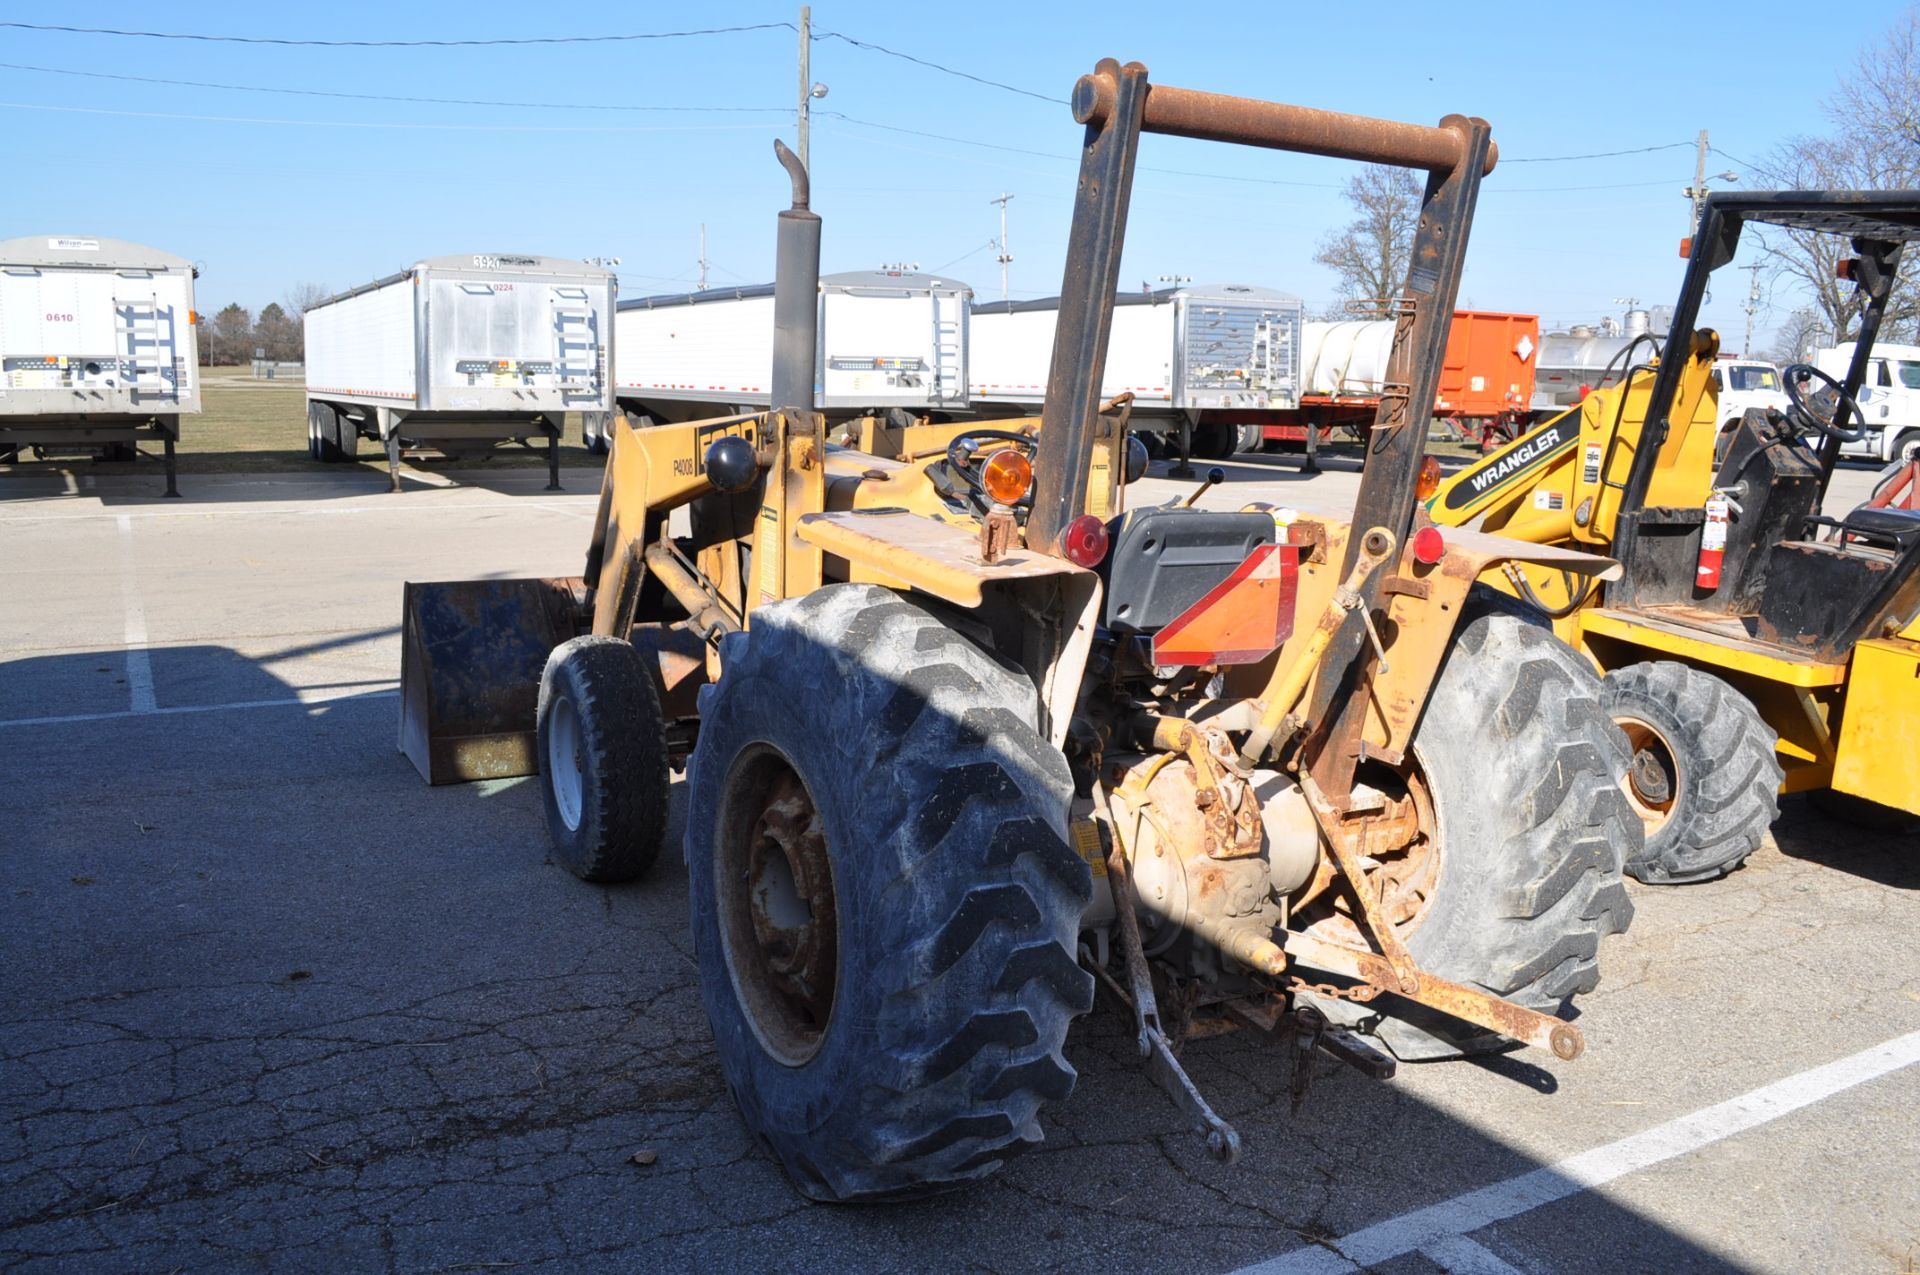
[{"x": 796, "y": 295}]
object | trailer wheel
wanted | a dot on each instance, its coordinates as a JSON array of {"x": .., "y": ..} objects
[
  {"x": 326, "y": 423},
  {"x": 1213, "y": 441},
  {"x": 1519, "y": 770},
  {"x": 346, "y": 438},
  {"x": 1704, "y": 779},
  {"x": 603, "y": 759},
  {"x": 315, "y": 413},
  {"x": 884, "y": 901}
]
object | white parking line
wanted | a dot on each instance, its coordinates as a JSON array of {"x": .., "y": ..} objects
[
  {"x": 1433, "y": 1227},
  {"x": 303, "y": 702},
  {"x": 1463, "y": 1255},
  {"x": 139, "y": 666},
  {"x": 400, "y": 505}
]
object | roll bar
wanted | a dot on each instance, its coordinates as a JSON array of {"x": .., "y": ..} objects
[{"x": 1243, "y": 121}]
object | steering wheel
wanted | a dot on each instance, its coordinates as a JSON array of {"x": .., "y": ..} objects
[
  {"x": 960, "y": 455},
  {"x": 1803, "y": 413}
]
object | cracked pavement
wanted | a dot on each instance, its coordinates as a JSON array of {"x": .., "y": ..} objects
[{"x": 271, "y": 1003}]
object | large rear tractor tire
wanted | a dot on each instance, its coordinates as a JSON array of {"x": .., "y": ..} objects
[
  {"x": 603, "y": 759},
  {"x": 1523, "y": 770},
  {"x": 1704, "y": 778},
  {"x": 885, "y": 903}
]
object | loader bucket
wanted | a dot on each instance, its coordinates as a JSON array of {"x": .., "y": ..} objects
[{"x": 470, "y": 661}]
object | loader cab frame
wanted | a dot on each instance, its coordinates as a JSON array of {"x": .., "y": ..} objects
[{"x": 1877, "y": 225}]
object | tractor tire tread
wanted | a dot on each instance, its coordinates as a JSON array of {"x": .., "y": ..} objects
[
  {"x": 625, "y": 793},
  {"x": 967, "y": 952},
  {"x": 1720, "y": 820}
]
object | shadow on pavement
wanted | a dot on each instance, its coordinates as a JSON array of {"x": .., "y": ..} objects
[
  {"x": 272, "y": 1001},
  {"x": 1886, "y": 855}
]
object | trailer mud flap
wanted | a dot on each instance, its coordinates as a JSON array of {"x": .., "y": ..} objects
[{"x": 471, "y": 656}]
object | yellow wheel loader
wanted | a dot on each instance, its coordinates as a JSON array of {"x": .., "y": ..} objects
[
  {"x": 1750, "y": 646},
  {"x": 963, "y": 734}
]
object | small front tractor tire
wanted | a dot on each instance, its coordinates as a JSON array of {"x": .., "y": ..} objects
[
  {"x": 885, "y": 903},
  {"x": 1704, "y": 778},
  {"x": 603, "y": 759},
  {"x": 1524, "y": 770}
]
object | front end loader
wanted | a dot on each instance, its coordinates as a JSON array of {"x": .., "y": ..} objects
[
  {"x": 1751, "y": 646},
  {"x": 966, "y": 735}
]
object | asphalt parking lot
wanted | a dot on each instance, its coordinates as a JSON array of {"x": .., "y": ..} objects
[{"x": 271, "y": 1003}]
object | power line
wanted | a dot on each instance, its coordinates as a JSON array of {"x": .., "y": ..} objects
[
  {"x": 936, "y": 66},
  {"x": 941, "y": 137},
  {"x": 942, "y": 269},
  {"x": 383, "y": 97},
  {"x": 1558, "y": 159},
  {"x": 400, "y": 44},
  {"x": 392, "y": 124}
]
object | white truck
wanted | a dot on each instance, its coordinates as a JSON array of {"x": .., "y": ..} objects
[
  {"x": 459, "y": 354},
  {"x": 888, "y": 339},
  {"x": 97, "y": 349},
  {"x": 1889, "y": 398},
  {"x": 1745, "y": 383},
  {"x": 1207, "y": 358}
]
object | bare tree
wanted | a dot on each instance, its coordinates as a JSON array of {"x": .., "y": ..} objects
[
  {"x": 1371, "y": 254},
  {"x": 1874, "y": 145},
  {"x": 1794, "y": 341},
  {"x": 302, "y": 297},
  {"x": 231, "y": 338}
]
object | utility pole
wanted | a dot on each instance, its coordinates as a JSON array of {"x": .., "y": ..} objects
[
  {"x": 808, "y": 89},
  {"x": 703, "y": 258},
  {"x": 1001, "y": 244},
  {"x": 806, "y": 79},
  {"x": 1752, "y": 308},
  {"x": 1698, "y": 192}
]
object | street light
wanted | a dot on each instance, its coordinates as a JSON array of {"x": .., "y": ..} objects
[{"x": 1698, "y": 193}]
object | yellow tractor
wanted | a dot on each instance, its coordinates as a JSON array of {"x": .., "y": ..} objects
[
  {"x": 1751, "y": 646},
  {"x": 963, "y": 733}
]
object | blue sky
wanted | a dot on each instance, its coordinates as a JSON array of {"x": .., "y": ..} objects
[{"x": 270, "y": 189}]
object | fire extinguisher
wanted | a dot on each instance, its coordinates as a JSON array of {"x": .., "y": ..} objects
[{"x": 1713, "y": 544}]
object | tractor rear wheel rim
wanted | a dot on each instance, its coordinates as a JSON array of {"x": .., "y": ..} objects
[
  {"x": 563, "y": 761},
  {"x": 1401, "y": 848},
  {"x": 779, "y": 915},
  {"x": 1653, "y": 775}
]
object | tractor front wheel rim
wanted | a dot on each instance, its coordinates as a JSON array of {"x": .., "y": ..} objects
[
  {"x": 1653, "y": 773},
  {"x": 779, "y": 914},
  {"x": 564, "y": 762}
]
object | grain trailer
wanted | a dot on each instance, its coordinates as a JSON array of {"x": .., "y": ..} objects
[
  {"x": 1210, "y": 357},
  {"x": 459, "y": 354},
  {"x": 97, "y": 347},
  {"x": 888, "y": 339}
]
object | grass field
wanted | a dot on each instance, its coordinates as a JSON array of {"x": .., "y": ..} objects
[
  {"x": 255, "y": 426},
  {"x": 258, "y": 426}
]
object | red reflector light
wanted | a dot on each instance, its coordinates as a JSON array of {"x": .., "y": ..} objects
[
  {"x": 1085, "y": 542},
  {"x": 1429, "y": 546}
]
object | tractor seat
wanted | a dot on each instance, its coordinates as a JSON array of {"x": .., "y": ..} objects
[{"x": 1897, "y": 528}]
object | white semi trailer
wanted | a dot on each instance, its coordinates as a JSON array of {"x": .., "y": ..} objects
[
  {"x": 97, "y": 350},
  {"x": 459, "y": 354},
  {"x": 888, "y": 339},
  {"x": 1205, "y": 357}
]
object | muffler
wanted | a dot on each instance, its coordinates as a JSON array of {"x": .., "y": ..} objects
[{"x": 471, "y": 656}]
